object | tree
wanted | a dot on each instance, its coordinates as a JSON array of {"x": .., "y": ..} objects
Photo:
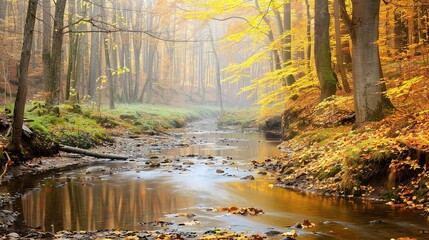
[
  {"x": 73, "y": 46},
  {"x": 284, "y": 27},
  {"x": 338, "y": 48},
  {"x": 363, "y": 27},
  {"x": 322, "y": 50},
  {"x": 21, "y": 97},
  {"x": 55, "y": 61},
  {"x": 47, "y": 35},
  {"x": 217, "y": 64},
  {"x": 270, "y": 34},
  {"x": 94, "y": 69}
]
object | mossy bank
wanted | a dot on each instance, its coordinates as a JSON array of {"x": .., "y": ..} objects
[
  {"x": 84, "y": 126},
  {"x": 325, "y": 154}
]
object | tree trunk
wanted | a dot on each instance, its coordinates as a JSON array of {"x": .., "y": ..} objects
[
  {"x": 108, "y": 68},
  {"x": 55, "y": 59},
  {"x": 287, "y": 41},
  {"x": 365, "y": 59},
  {"x": 308, "y": 36},
  {"x": 137, "y": 50},
  {"x": 147, "y": 88},
  {"x": 72, "y": 51},
  {"x": 109, "y": 73},
  {"x": 91, "y": 153},
  {"x": 322, "y": 51},
  {"x": 217, "y": 65},
  {"x": 275, "y": 52},
  {"x": 3, "y": 10},
  {"x": 94, "y": 62},
  {"x": 338, "y": 48},
  {"x": 21, "y": 97},
  {"x": 47, "y": 35}
]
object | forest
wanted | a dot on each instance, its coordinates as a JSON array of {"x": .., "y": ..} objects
[{"x": 340, "y": 87}]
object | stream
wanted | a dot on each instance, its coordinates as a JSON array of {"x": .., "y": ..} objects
[{"x": 197, "y": 180}]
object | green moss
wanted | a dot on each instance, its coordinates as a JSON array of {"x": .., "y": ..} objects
[
  {"x": 83, "y": 127},
  {"x": 391, "y": 195},
  {"x": 323, "y": 174},
  {"x": 244, "y": 118}
]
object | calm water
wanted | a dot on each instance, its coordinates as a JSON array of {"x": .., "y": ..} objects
[{"x": 126, "y": 194}]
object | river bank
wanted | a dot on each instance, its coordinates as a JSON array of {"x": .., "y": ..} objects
[{"x": 324, "y": 154}]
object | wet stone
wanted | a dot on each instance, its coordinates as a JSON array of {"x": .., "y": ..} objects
[
  {"x": 273, "y": 233},
  {"x": 188, "y": 163},
  {"x": 377, "y": 221},
  {"x": 298, "y": 225},
  {"x": 249, "y": 177},
  {"x": 13, "y": 235}
]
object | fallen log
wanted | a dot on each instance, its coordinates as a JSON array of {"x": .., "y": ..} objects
[{"x": 90, "y": 153}]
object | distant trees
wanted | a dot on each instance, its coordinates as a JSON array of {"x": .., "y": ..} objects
[{"x": 271, "y": 50}]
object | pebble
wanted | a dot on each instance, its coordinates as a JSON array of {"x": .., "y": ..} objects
[
  {"x": 249, "y": 177},
  {"x": 13, "y": 235}
]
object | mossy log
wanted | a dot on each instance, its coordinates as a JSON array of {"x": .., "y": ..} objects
[{"x": 91, "y": 153}]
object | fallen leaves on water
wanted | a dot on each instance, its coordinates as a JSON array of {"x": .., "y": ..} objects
[
  {"x": 188, "y": 215},
  {"x": 239, "y": 211},
  {"x": 308, "y": 224},
  {"x": 305, "y": 224},
  {"x": 291, "y": 233},
  {"x": 190, "y": 223}
]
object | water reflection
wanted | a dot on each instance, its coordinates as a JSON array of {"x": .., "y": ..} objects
[{"x": 102, "y": 204}]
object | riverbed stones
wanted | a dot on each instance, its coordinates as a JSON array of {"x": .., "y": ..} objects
[
  {"x": 13, "y": 235},
  {"x": 7, "y": 218},
  {"x": 248, "y": 177},
  {"x": 188, "y": 163}
]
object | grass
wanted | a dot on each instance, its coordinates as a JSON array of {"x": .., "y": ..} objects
[
  {"x": 85, "y": 127},
  {"x": 245, "y": 118}
]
